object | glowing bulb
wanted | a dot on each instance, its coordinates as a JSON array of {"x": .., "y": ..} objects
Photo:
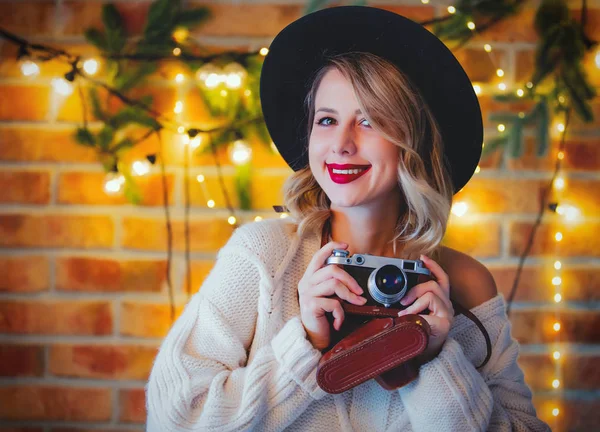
[
  {"x": 561, "y": 99},
  {"x": 560, "y": 127},
  {"x": 113, "y": 183},
  {"x": 471, "y": 25},
  {"x": 557, "y": 298},
  {"x": 91, "y": 66},
  {"x": 196, "y": 141},
  {"x": 561, "y": 155},
  {"x": 178, "y": 107},
  {"x": 235, "y": 74},
  {"x": 209, "y": 76},
  {"x": 179, "y": 78},
  {"x": 247, "y": 92},
  {"x": 558, "y": 236},
  {"x": 487, "y": 48},
  {"x": 502, "y": 86},
  {"x": 557, "y": 265},
  {"x": 177, "y": 52},
  {"x": 451, "y": 9},
  {"x": 571, "y": 213},
  {"x": 62, "y": 86},
  {"x": 30, "y": 69},
  {"x": 521, "y": 114},
  {"x": 559, "y": 183},
  {"x": 501, "y": 128},
  {"x": 257, "y": 218},
  {"x": 181, "y": 130},
  {"x": 477, "y": 88},
  {"x": 425, "y": 1},
  {"x": 477, "y": 169},
  {"x": 556, "y": 326},
  {"x": 556, "y": 355},
  {"x": 556, "y": 383},
  {"x": 200, "y": 178},
  {"x": 264, "y": 51},
  {"x": 240, "y": 153},
  {"x": 210, "y": 203},
  {"x": 231, "y": 220},
  {"x": 140, "y": 167},
  {"x": 529, "y": 85},
  {"x": 520, "y": 93},
  {"x": 500, "y": 73},
  {"x": 181, "y": 34},
  {"x": 283, "y": 215},
  {"x": 460, "y": 208},
  {"x": 223, "y": 92},
  {"x": 555, "y": 412},
  {"x": 556, "y": 280}
]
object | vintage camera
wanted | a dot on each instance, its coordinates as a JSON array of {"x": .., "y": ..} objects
[{"x": 385, "y": 281}]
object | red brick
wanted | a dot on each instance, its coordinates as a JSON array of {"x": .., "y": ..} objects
[
  {"x": 42, "y": 145},
  {"x": 501, "y": 195},
  {"x": 578, "y": 240},
  {"x": 579, "y": 371},
  {"x": 88, "y": 188},
  {"x": 24, "y": 103},
  {"x": 108, "y": 275},
  {"x": 524, "y": 66},
  {"x": 24, "y": 274},
  {"x": 133, "y": 406},
  {"x": 481, "y": 66},
  {"x": 24, "y": 187},
  {"x": 146, "y": 320},
  {"x": 535, "y": 326},
  {"x": 200, "y": 270},
  {"x": 27, "y": 18},
  {"x": 517, "y": 28},
  {"x": 21, "y": 360},
  {"x": 576, "y": 415},
  {"x": 578, "y": 283},
  {"x": 78, "y": 16},
  {"x": 56, "y": 317},
  {"x": 56, "y": 231},
  {"x": 582, "y": 154},
  {"x": 151, "y": 234},
  {"x": 102, "y": 361},
  {"x": 481, "y": 239},
  {"x": 55, "y": 403}
]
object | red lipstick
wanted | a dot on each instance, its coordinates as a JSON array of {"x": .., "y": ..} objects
[{"x": 346, "y": 173}]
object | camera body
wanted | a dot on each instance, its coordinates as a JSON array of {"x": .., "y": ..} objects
[{"x": 385, "y": 281}]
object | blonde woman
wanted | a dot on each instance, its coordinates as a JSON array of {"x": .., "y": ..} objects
[{"x": 381, "y": 127}]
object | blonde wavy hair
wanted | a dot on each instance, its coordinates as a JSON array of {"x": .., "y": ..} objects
[{"x": 396, "y": 111}]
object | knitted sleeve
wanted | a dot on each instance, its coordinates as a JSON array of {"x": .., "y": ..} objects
[
  {"x": 451, "y": 394},
  {"x": 202, "y": 378}
]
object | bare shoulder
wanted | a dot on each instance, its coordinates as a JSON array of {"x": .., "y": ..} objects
[{"x": 471, "y": 283}]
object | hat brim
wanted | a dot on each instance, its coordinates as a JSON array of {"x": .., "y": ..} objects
[{"x": 302, "y": 48}]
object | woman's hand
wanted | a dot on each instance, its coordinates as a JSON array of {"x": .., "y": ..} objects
[
  {"x": 435, "y": 296},
  {"x": 319, "y": 282}
]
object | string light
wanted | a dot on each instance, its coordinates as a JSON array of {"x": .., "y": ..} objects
[
  {"x": 200, "y": 178},
  {"x": 520, "y": 93},
  {"x": 500, "y": 73},
  {"x": 91, "y": 66},
  {"x": 556, "y": 280},
  {"x": 235, "y": 74},
  {"x": 30, "y": 69},
  {"x": 62, "y": 86},
  {"x": 502, "y": 86},
  {"x": 181, "y": 34},
  {"x": 425, "y": 1},
  {"x": 179, "y": 78},
  {"x": 178, "y": 107},
  {"x": 561, "y": 155},
  {"x": 487, "y": 48},
  {"x": 556, "y": 326},
  {"x": 451, "y": 9},
  {"x": 559, "y": 183},
  {"x": 232, "y": 220},
  {"x": 209, "y": 76},
  {"x": 140, "y": 167},
  {"x": 177, "y": 51},
  {"x": 223, "y": 93},
  {"x": 501, "y": 128},
  {"x": 557, "y": 298},
  {"x": 239, "y": 152},
  {"x": 560, "y": 127},
  {"x": 264, "y": 51},
  {"x": 555, "y": 383},
  {"x": 471, "y": 25},
  {"x": 557, "y": 265},
  {"x": 558, "y": 236},
  {"x": 555, "y": 412},
  {"x": 113, "y": 183},
  {"x": 556, "y": 355},
  {"x": 258, "y": 218},
  {"x": 210, "y": 203},
  {"x": 477, "y": 88},
  {"x": 181, "y": 130},
  {"x": 477, "y": 169},
  {"x": 459, "y": 208}
]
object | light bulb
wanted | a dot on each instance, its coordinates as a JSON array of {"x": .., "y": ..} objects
[
  {"x": 91, "y": 66},
  {"x": 113, "y": 183},
  {"x": 231, "y": 220},
  {"x": 30, "y": 69},
  {"x": 520, "y": 93},
  {"x": 557, "y": 265},
  {"x": 556, "y": 326},
  {"x": 140, "y": 167},
  {"x": 209, "y": 76},
  {"x": 264, "y": 51},
  {"x": 500, "y": 73},
  {"x": 200, "y": 178},
  {"x": 181, "y": 34},
  {"x": 487, "y": 48},
  {"x": 502, "y": 86},
  {"x": 235, "y": 74},
  {"x": 561, "y": 155},
  {"x": 178, "y": 107},
  {"x": 477, "y": 88},
  {"x": 180, "y": 129},
  {"x": 559, "y": 183},
  {"x": 556, "y": 383},
  {"x": 451, "y": 9},
  {"x": 210, "y": 203},
  {"x": 176, "y": 51},
  {"x": 239, "y": 152},
  {"x": 558, "y": 236},
  {"x": 477, "y": 169},
  {"x": 62, "y": 86},
  {"x": 556, "y": 355},
  {"x": 560, "y": 127},
  {"x": 179, "y": 78},
  {"x": 258, "y": 218},
  {"x": 555, "y": 412},
  {"x": 460, "y": 208},
  {"x": 501, "y": 128},
  {"x": 556, "y": 280},
  {"x": 557, "y": 298}
]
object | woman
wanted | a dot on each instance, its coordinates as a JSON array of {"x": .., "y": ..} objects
[{"x": 380, "y": 134}]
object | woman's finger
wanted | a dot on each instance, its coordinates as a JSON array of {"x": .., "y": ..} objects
[
  {"x": 334, "y": 286},
  {"x": 319, "y": 258},
  {"x": 319, "y": 305},
  {"x": 422, "y": 288},
  {"x": 429, "y": 301},
  {"x": 336, "y": 272},
  {"x": 437, "y": 271}
]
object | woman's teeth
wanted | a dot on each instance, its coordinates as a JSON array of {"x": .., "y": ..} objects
[{"x": 351, "y": 171}]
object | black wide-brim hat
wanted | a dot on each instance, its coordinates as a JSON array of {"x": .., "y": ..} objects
[{"x": 303, "y": 47}]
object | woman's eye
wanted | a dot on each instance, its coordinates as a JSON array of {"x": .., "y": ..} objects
[
  {"x": 326, "y": 121},
  {"x": 365, "y": 122}
]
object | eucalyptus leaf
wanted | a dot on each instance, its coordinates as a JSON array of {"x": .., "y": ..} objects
[
  {"x": 192, "y": 17},
  {"x": 105, "y": 137},
  {"x": 243, "y": 185},
  {"x": 96, "y": 38},
  {"x": 493, "y": 144},
  {"x": 131, "y": 190},
  {"x": 85, "y": 137},
  {"x": 113, "y": 25}
]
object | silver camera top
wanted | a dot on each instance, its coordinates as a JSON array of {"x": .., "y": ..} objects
[{"x": 342, "y": 257}]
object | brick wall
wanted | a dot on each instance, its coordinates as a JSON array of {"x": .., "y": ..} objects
[{"x": 83, "y": 300}]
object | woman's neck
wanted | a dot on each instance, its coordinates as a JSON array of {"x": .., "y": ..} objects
[{"x": 366, "y": 230}]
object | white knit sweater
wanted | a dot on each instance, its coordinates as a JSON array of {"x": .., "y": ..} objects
[{"x": 238, "y": 359}]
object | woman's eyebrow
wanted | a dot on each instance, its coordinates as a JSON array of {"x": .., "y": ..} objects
[{"x": 331, "y": 110}]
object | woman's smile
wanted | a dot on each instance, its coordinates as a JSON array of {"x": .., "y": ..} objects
[{"x": 346, "y": 173}]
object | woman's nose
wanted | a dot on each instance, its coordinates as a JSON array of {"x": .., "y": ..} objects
[{"x": 344, "y": 142}]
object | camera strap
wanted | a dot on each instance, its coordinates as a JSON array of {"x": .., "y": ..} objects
[{"x": 376, "y": 311}]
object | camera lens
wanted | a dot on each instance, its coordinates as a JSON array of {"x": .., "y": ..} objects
[
  {"x": 390, "y": 280},
  {"x": 387, "y": 285}
]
